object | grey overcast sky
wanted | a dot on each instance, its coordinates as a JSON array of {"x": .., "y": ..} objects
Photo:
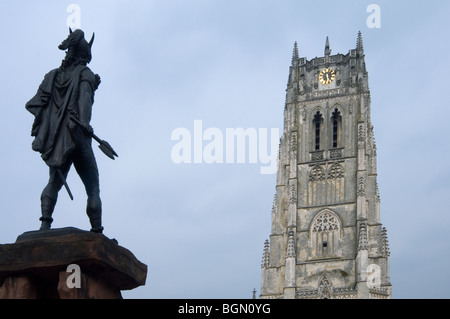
[{"x": 164, "y": 64}]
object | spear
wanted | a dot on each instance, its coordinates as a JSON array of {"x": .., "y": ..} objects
[{"x": 103, "y": 145}]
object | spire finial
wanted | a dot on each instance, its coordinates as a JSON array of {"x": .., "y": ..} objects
[
  {"x": 295, "y": 53},
  {"x": 359, "y": 43},
  {"x": 327, "y": 47}
]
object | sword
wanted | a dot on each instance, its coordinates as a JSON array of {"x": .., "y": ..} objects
[{"x": 63, "y": 179}]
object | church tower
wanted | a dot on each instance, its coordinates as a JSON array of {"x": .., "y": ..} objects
[{"x": 327, "y": 240}]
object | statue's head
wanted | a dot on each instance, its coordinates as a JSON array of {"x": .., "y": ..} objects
[{"x": 77, "y": 45}]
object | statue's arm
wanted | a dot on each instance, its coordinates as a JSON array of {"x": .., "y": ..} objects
[
  {"x": 88, "y": 85},
  {"x": 86, "y": 100}
]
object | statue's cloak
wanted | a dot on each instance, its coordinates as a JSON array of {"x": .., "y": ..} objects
[{"x": 55, "y": 101}]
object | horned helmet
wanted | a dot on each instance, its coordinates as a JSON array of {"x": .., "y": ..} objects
[{"x": 77, "y": 45}]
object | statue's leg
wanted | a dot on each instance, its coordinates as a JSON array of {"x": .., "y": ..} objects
[
  {"x": 86, "y": 166},
  {"x": 49, "y": 196}
]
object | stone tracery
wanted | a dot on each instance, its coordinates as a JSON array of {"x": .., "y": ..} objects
[{"x": 325, "y": 222}]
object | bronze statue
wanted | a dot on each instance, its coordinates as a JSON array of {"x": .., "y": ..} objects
[{"x": 62, "y": 108}]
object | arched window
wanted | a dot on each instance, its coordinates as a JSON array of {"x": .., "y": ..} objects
[
  {"x": 317, "y": 186},
  {"x": 336, "y": 121},
  {"x": 326, "y": 186},
  {"x": 318, "y": 119},
  {"x": 336, "y": 180},
  {"x": 325, "y": 235}
]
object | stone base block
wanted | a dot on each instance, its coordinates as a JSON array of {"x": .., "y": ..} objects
[
  {"x": 18, "y": 287},
  {"x": 37, "y": 266}
]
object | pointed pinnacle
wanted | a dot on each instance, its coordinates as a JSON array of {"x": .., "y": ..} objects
[
  {"x": 327, "y": 47},
  {"x": 295, "y": 53},
  {"x": 265, "y": 259},
  {"x": 359, "y": 42},
  {"x": 362, "y": 237}
]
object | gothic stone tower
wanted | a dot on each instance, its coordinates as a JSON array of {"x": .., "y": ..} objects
[{"x": 327, "y": 240}]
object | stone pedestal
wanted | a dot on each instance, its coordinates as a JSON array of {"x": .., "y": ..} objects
[{"x": 37, "y": 266}]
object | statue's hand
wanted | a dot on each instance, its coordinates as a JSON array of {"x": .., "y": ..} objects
[
  {"x": 98, "y": 80},
  {"x": 88, "y": 129},
  {"x": 72, "y": 125}
]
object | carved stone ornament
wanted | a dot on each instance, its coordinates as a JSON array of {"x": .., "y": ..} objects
[
  {"x": 294, "y": 142},
  {"x": 335, "y": 171},
  {"x": 360, "y": 132},
  {"x": 265, "y": 259},
  {"x": 325, "y": 288},
  {"x": 293, "y": 194},
  {"x": 290, "y": 245},
  {"x": 336, "y": 153},
  {"x": 325, "y": 222},
  {"x": 317, "y": 174},
  {"x": 317, "y": 156},
  {"x": 362, "y": 237},
  {"x": 361, "y": 187}
]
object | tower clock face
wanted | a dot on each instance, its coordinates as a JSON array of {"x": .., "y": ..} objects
[{"x": 327, "y": 76}]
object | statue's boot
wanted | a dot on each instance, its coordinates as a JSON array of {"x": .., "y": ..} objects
[
  {"x": 94, "y": 212},
  {"x": 47, "y": 207}
]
